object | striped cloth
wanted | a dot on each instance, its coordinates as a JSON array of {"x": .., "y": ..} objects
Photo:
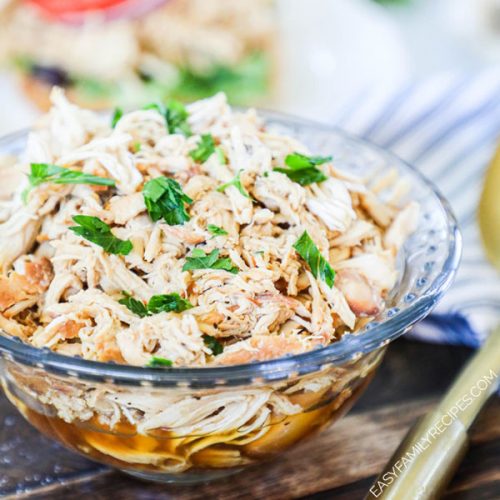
[{"x": 447, "y": 127}]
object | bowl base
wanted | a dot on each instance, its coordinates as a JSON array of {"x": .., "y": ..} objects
[{"x": 185, "y": 478}]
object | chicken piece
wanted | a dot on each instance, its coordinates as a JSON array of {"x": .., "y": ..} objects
[
  {"x": 17, "y": 236},
  {"x": 363, "y": 299},
  {"x": 331, "y": 202},
  {"x": 124, "y": 208},
  {"x": 338, "y": 304},
  {"x": 19, "y": 291},
  {"x": 261, "y": 348},
  {"x": 401, "y": 227},
  {"x": 358, "y": 231},
  {"x": 166, "y": 335},
  {"x": 278, "y": 193},
  {"x": 382, "y": 214},
  {"x": 246, "y": 303},
  {"x": 378, "y": 269}
]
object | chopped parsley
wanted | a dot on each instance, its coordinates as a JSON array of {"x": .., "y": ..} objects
[
  {"x": 157, "y": 362},
  {"x": 95, "y": 230},
  {"x": 200, "y": 260},
  {"x": 213, "y": 344},
  {"x": 216, "y": 230},
  {"x": 168, "y": 303},
  {"x": 136, "y": 147},
  {"x": 171, "y": 302},
  {"x": 303, "y": 169},
  {"x": 117, "y": 114},
  {"x": 46, "y": 172},
  {"x": 319, "y": 266},
  {"x": 204, "y": 149},
  {"x": 164, "y": 198},
  {"x": 220, "y": 155},
  {"x": 236, "y": 182},
  {"x": 134, "y": 305},
  {"x": 175, "y": 115}
]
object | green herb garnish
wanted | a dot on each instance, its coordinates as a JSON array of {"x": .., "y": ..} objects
[
  {"x": 164, "y": 198},
  {"x": 220, "y": 155},
  {"x": 47, "y": 172},
  {"x": 134, "y": 305},
  {"x": 95, "y": 230},
  {"x": 236, "y": 182},
  {"x": 200, "y": 260},
  {"x": 303, "y": 169},
  {"x": 157, "y": 304},
  {"x": 117, "y": 114},
  {"x": 216, "y": 230},
  {"x": 213, "y": 344},
  {"x": 136, "y": 147},
  {"x": 157, "y": 362},
  {"x": 204, "y": 149},
  {"x": 175, "y": 115},
  {"x": 168, "y": 303},
  {"x": 307, "y": 249}
]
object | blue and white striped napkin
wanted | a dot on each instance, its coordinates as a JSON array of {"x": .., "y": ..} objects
[{"x": 448, "y": 127}]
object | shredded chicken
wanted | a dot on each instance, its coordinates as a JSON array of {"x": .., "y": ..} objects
[{"x": 259, "y": 298}]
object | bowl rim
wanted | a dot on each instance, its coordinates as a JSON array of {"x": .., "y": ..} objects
[{"x": 350, "y": 348}]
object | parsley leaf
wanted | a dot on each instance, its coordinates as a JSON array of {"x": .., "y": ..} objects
[
  {"x": 117, "y": 114},
  {"x": 46, "y": 172},
  {"x": 157, "y": 362},
  {"x": 175, "y": 115},
  {"x": 298, "y": 160},
  {"x": 164, "y": 198},
  {"x": 167, "y": 303},
  {"x": 136, "y": 306},
  {"x": 220, "y": 155},
  {"x": 204, "y": 150},
  {"x": 236, "y": 182},
  {"x": 213, "y": 344},
  {"x": 303, "y": 169},
  {"x": 95, "y": 230},
  {"x": 307, "y": 249},
  {"x": 157, "y": 304},
  {"x": 200, "y": 260},
  {"x": 216, "y": 230},
  {"x": 136, "y": 147}
]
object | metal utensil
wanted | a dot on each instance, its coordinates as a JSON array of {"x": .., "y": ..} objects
[{"x": 430, "y": 453}]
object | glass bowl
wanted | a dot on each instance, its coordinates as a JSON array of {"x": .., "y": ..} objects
[{"x": 197, "y": 424}]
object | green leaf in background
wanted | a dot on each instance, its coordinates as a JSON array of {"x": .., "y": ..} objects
[
  {"x": 95, "y": 230},
  {"x": 164, "y": 198},
  {"x": 242, "y": 83},
  {"x": 307, "y": 249}
]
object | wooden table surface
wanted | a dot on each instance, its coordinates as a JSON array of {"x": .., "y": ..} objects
[{"x": 340, "y": 463}]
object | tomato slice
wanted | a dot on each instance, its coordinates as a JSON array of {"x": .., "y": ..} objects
[
  {"x": 75, "y": 10},
  {"x": 63, "y": 6}
]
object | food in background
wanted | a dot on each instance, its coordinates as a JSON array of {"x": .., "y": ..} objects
[{"x": 186, "y": 49}]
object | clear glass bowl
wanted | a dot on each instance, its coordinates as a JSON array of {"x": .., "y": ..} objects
[{"x": 204, "y": 423}]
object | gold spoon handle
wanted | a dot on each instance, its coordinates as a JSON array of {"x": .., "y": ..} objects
[{"x": 427, "y": 458}]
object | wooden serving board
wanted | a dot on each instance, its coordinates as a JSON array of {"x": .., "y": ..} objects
[{"x": 341, "y": 462}]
